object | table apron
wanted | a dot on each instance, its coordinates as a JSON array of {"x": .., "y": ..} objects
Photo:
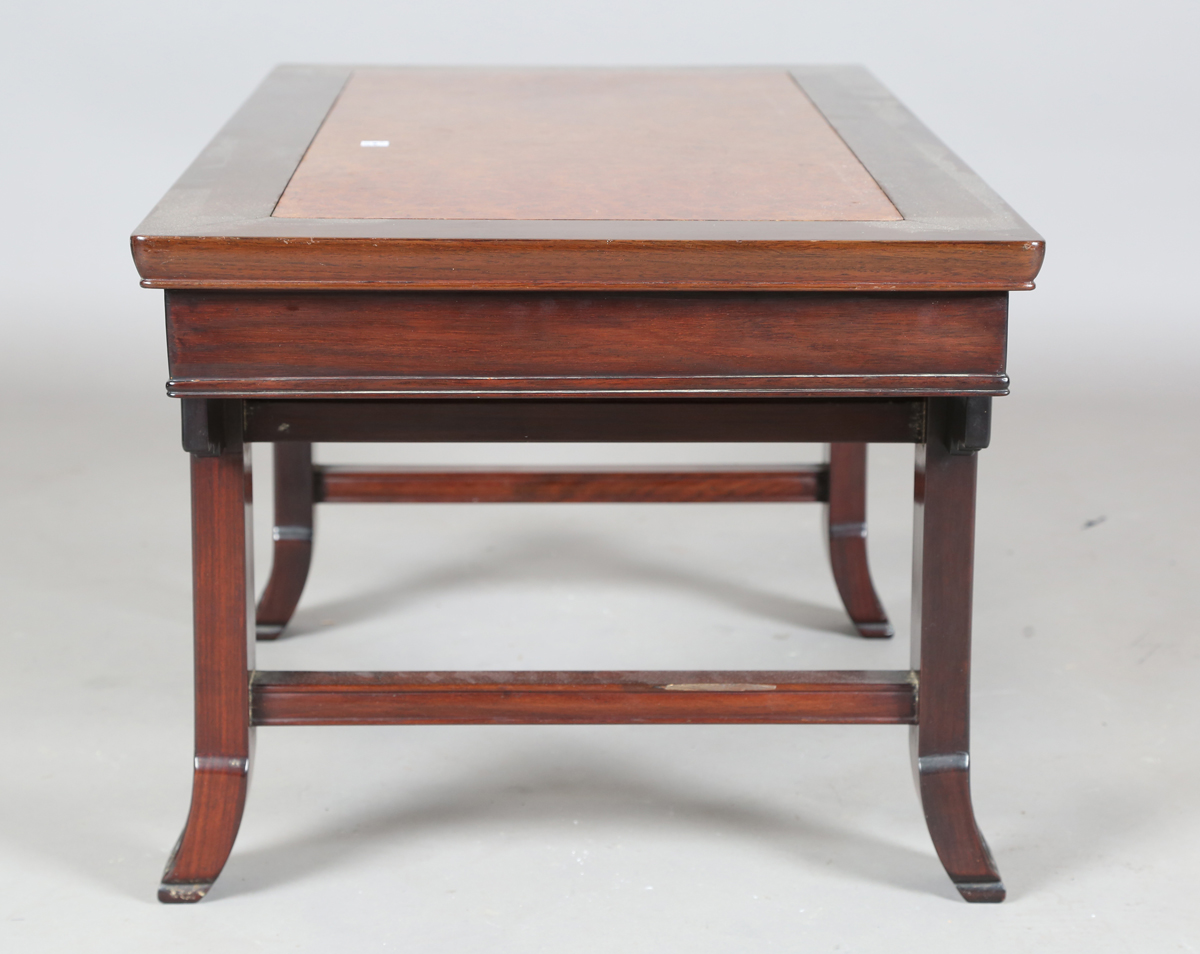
[{"x": 313, "y": 344}]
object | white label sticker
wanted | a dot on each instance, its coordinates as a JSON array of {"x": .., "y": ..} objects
[{"x": 375, "y": 142}]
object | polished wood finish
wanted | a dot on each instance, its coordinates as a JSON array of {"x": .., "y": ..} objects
[
  {"x": 215, "y": 228},
  {"x": 222, "y": 263},
  {"x": 600, "y": 144},
  {"x": 419, "y": 343},
  {"x": 843, "y": 385},
  {"x": 792, "y": 311},
  {"x": 292, "y": 538},
  {"x": 224, "y": 653},
  {"x": 846, "y": 526},
  {"x": 943, "y": 561},
  {"x": 784, "y": 484},
  {"x": 586, "y": 420},
  {"x": 505, "y": 698}
]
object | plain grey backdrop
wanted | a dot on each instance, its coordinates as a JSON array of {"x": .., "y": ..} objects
[{"x": 1083, "y": 116}]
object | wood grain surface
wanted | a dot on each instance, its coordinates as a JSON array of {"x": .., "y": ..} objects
[
  {"x": 292, "y": 543},
  {"x": 846, "y": 527},
  {"x": 441, "y": 698},
  {"x": 782, "y": 484},
  {"x": 215, "y": 227},
  {"x": 690, "y": 144},
  {"x": 943, "y": 579},
  {"x": 223, "y": 587},
  {"x": 429, "y": 343}
]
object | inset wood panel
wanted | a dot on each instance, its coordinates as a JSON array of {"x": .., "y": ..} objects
[
  {"x": 356, "y": 343},
  {"x": 682, "y": 144}
]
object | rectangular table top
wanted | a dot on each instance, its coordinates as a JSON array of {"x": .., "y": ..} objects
[{"x": 797, "y": 178}]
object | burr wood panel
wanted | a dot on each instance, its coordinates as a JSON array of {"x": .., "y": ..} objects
[{"x": 683, "y": 144}]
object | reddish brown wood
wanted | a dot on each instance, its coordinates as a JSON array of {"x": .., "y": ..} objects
[
  {"x": 851, "y": 386},
  {"x": 586, "y": 420},
  {"x": 428, "y": 698},
  {"x": 358, "y": 343},
  {"x": 794, "y": 484},
  {"x": 614, "y": 329},
  {"x": 943, "y": 558},
  {"x": 224, "y": 647},
  {"x": 579, "y": 144},
  {"x": 216, "y": 229},
  {"x": 479, "y": 264},
  {"x": 846, "y": 525},
  {"x": 292, "y": 536}
]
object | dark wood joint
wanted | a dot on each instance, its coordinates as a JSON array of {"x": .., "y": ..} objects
[
  {"x": 918, "y": 416},
  {"x": 823, "y": 485},
  {"x": 212, "y": 426},
  {"x": 968, "y": 424}
]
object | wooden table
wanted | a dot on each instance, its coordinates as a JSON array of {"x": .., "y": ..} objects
[{"x": 768, "y": 254}]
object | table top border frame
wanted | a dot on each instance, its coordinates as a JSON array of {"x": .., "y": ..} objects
[{"x": 227, "y": 195}]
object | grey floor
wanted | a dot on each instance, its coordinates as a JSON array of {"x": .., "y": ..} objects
[{"x": 678, "y": 838}]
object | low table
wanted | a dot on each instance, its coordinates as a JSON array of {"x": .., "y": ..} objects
[{"x": 768, "y": 254}]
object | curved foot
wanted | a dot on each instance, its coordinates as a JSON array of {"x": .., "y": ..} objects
[
  {"x": 289, "y": 571},
  {"x": 847, "y": 522},
  {"x": 981, "y": 892},
  {"x": 218, "y": 798},
  {"x": 293, "y": 535},
  {"x": 944, "y": 782},
  {"x": 182, "y": 893}
]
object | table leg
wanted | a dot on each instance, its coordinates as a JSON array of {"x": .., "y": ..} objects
[
  {"x": 293, "y": 536},
  {"x": 943, "y": 551},
  {"x": 846, "y": 519},
  {"x": 222, "y": 566}
]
